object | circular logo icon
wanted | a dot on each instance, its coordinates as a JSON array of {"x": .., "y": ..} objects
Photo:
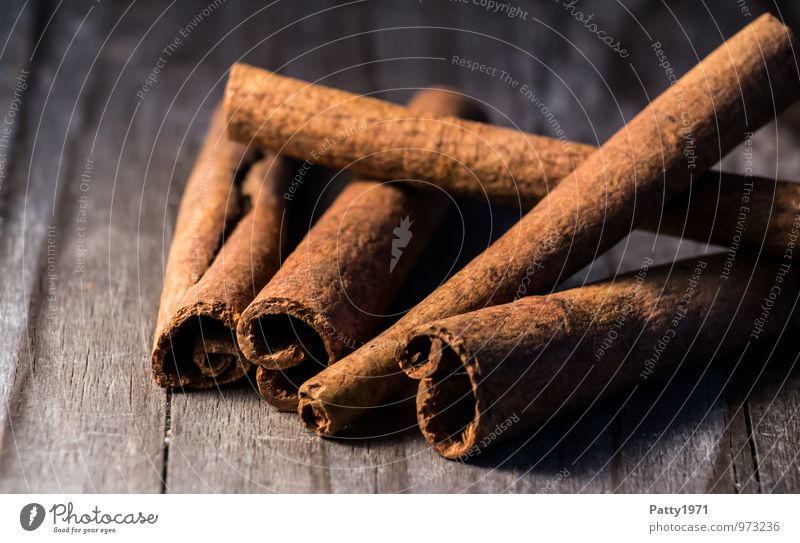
[{"x": 31, "y": 516}]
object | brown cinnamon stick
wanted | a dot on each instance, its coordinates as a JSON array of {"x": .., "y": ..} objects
[
  {"x": 491, "y": 374},
  {"x": 381, "y": 140},
  {"x": 387, "y": 141},
  {"x": 655, "y": 157},
  {"x": 226, "y": 246},
  {"x": 334, "y": 289}
]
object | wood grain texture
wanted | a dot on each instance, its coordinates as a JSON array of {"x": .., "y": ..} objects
[
  {"x": 82, "y": 412},
  {"x": 82, "y": 415},
  {"x": 15, "y": 292}
]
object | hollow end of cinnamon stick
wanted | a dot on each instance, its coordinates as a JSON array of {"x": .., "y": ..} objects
[
  {"x": 213, "y": 352},
  {"x": 423, "y": 354},
  {"x": 199, "y": 349},
  {"x": 315, "y": 415},
  {"x": 448, "y": 410},
  {"x": 281, "y": 337},
  {"x": 279, "y": 333},
  {"x": 329, "y": 405},
  {"x": 280, "y": 387}
]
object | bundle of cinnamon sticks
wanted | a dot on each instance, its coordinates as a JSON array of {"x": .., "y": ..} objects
[{"x": 495, "y": 350}]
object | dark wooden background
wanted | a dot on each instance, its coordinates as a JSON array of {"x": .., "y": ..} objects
[{"x": 88, "y": 165}]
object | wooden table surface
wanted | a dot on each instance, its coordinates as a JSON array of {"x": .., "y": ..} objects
[{"x": 93, "y": 159}]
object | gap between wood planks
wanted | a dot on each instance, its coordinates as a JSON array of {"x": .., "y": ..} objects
[{"x": 167, "y": 439}]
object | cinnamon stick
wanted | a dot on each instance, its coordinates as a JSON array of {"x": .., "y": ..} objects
[
  {"x": 381, "y": 140},
  {"x": 225, "y": 247},
  {"x": 494, "y": 373},
  {"x": 334, "y": 289},
  {"x": 739, "y": 86},
  {"x": 388, "y": 141}
]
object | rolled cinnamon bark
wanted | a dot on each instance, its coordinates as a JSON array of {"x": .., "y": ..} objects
[
  {"x": 388, "y": 141},
  {"x": 333, "y": 290},
  {"x": 381, "y": 140},
  {"x": 225, "y": 248},
  {"x": 491, "y": 374},
  {"x": 655, "y": 157},
  {"x": 292, "y": 107}
]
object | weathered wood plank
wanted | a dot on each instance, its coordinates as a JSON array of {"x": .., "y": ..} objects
[
  {"x": 17, "y": 38},
  {"x": 83, "y": 413},
  {"x": 773, "y": 416}
]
